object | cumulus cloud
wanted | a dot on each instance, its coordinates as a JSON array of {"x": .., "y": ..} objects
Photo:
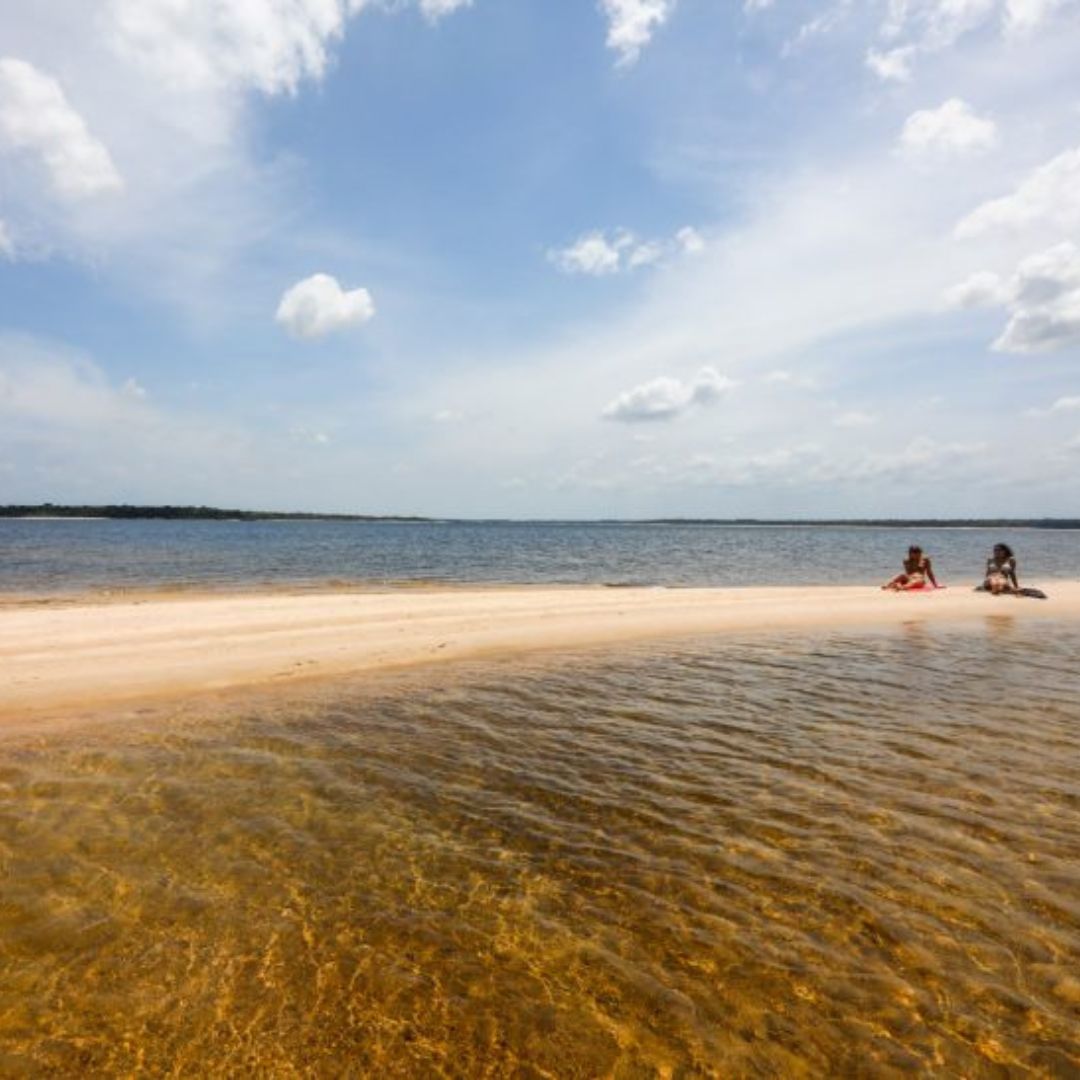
[
  {"x": 318, "y": 305},
  {"x": 664, "y": 398},
  {"x": 1042, "y": 296},
  {"x": 598, "y": 254},
  {"x": 37, "y": 119},
  {"x": 952, "y": 129},
  {"x": 1048, "y": 195},
  {"x": 632, "y": 23}
]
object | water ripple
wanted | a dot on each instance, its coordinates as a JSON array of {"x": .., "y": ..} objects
[{"x": 846, "y": 854}]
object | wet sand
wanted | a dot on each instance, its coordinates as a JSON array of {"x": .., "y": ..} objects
[{"x": 56, "y": 658}]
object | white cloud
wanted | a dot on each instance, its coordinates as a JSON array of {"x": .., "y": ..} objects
[
  {"x": 1045, "y": 302},
  {"x": 914, "y": 28},
  {"x": 7, "y": 245},
  {"x": 211, "y": 44},
  {"x": 36, "y": 118},
  {"x": 318, "y": 306},
  {"x": 892, "y": 65},
  {"x": 648, "y": 253},
  {"x": 690, "y": 240},
  {"x": 951, "y": 129},
  {"x": 931, "y": 25},
  {"x": 1025, "y": 16},
  {"x": 1043, "y": 298},
  {"x": 664, "y": 398},
  {"x": 632, "y": 23},
  {"x": 1048, "y": 195},
  {"x": 437, "y": 9},
  {"x": 591, "y": 254},
  {"x": 597, "y": 254},
  {"x": 982, "y": 289},
  {"x": 268, "y": 45},
  {"x": 821, "y": 25}
]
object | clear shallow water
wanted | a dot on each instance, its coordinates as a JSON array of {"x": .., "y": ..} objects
[
  {"x": 72, "y": 556},
  {"x": 798, "y": 856}
]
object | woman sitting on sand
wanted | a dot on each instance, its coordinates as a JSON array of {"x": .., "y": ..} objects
[
  {"x": 917, "y": 572},
  {"x": 1001, "y": 571}
]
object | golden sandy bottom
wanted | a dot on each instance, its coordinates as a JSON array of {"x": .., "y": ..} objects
[
  {"x": 85, "y": 655},
  {"x": 813, "y": 854}
]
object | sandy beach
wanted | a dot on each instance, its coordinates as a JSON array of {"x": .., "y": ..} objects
[{"x": 83, "y": 655}]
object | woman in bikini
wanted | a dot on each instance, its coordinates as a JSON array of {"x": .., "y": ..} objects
[
  {"x": 1001, "y": 571},
  {"x": 916, "y": 573}
]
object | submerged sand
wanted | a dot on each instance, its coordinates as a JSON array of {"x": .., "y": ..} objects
[{"x": 84, "y": 655}]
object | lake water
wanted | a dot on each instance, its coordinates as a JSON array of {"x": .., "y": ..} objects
[
  {"x": 74, "y": 556},
  {"x": 814, "y": 855}
]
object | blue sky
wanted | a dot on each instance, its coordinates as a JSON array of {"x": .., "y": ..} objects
[{"x": 518, "y": 258}]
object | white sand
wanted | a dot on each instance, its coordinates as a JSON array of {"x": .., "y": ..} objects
[{"x": 59, "y": 659}]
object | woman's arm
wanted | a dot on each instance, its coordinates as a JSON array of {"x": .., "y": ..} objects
[
  {"x": 930, "y": 572},
  {"x": 1010, "y": 573}
]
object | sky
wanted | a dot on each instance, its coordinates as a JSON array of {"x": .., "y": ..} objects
[{"x": 542, "y": 258}]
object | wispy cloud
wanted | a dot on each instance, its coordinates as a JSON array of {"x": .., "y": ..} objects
[
  {"x": 1049, "y": 194},
  {"x": 598, "y": 254}
]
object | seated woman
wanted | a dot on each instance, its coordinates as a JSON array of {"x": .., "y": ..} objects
[
  {"x": 917, "y": 572},
  {"x": 1001, "y": 571}
]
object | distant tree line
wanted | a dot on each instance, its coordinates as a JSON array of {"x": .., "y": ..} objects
[
  {"x": 182, "y": 513},
  {"x": 213, "y": 513},
  {"x": 888, "y": 523}
]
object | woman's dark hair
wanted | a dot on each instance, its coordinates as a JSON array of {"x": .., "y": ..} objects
[
  {"x": 1005, "y": 549},
  {"x": 914, "y": 550}
]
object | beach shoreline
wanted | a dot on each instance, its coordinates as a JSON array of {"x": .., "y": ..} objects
[{"x": 84, "y": 655}]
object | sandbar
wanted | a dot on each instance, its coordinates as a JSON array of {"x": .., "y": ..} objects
[{"x": 78, "y": 656}]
